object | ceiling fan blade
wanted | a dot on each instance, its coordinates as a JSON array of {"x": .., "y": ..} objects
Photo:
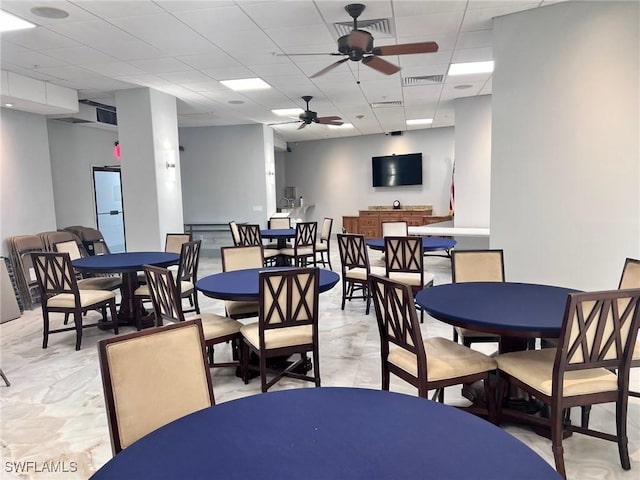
[
  {"x": 358, "y": 39},
  {"x": 406, "y": 48},
  {"x": 282, "y": 123},
  {"x": 329, "y": 120},
  {"x": 337, "y": 54},
  {"x": 302, "y": 125},
  {"x": 381, "y": 65},
  {"x": 330, "y": 67}
]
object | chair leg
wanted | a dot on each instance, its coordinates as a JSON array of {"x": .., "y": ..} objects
[
  {"x": 367, "y": 295},
  {"x": 556, "y": 418},
  {"x": 4, "y": 377},
  {"x": 244, "y": 362},
  {"x": 77, "y": 318},
  {"x": 114, "y": 316},
  {"x": 45, "y": 332},
  {"x": 586, "y": 412},
  {"x": 344, "y": 293},
  {"x": 621, "y": 432},
  {"x": 263, "y": 372},
  {"x": 316, "y": 367},
  {"x": 455, "y": 335},
  {"x": 385, "y": 376},
  {"x": 195, "y": 301}
]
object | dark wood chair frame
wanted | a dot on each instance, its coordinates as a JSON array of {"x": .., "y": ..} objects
[
  {"x": 321, "y": 253},
  {"x": 306, "y": 235},
  {"x": 630, "y": 263},
  {"x": 107, "y": 382},
  {"x": 188, "y": 271},
  {"x": 273, "y": 317},
  {"x": 489, "y": 338},
  {"x": 250, "y": 235},
  {"x": 167, "y": 305},
  {"x": 55, "y": 275},
  {"x": 398, "y": 325},
  {"x": 353, "y": 254},
  {"x": 576, "y": 351},
  {"x": 406, "y": 255}
]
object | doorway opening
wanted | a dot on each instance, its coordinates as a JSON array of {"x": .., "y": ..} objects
[{"x": 107, "y": 188}]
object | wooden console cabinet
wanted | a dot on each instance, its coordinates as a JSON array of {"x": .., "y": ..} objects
[{"x": 368, "y": 222}]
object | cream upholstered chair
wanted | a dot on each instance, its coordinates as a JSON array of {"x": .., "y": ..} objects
[
  {"x": 278, "y": 223},
  {"x": 323, "y": 247},
  {"x": 235, "y": 234},
  {"x": 167, "y": 305},
  {"x": 89, "y": 283},
  {"x": 394, "y": 229},
  {"x": 250, "y": 235},
  {"x": 240, "y": 258},
  {"x": 434, "y": 363},
  {"x": 187, "y": 276},
  {"x": 476, "y": 266},
  {"x": 173, "y": 241},
  {"x": 304, "y": 245},
  {"x": 598, "y": 335},
  {"x": 287, "y": 324},
  {"x": 59, "y": 293},
  {"x": 630, "y": 278},
  {"x": 403, "y": 258},
  {"x": 153, "y": 377},
  {"x": 354, "y": 260}
]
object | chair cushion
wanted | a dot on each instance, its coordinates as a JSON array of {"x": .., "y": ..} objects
[
  {"x": 185, "y": 289},
  {"x": 87, "y": 298},
  {"x": 445, "y": 359},
  {"x": 290, "y": 252},
  {"x": 282, "y": 337},
  {"x": 271, "y": 253},
  {"x": 216, "y": 326},
  {"x": 360, "y": 273},
  {"x": 99, "y": 283},
  {"x": 466, "y": 332},
  {"x": 322, "y": 247},
  {"x": 235, "y": 307},
  {"x": 411, "y": 278},
  {"x": 535, "y": 368}
]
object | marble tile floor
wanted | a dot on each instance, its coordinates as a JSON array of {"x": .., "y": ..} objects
[{"x": 54, "y": 409}]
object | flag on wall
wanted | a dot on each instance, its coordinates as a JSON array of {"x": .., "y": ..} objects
[{"x": 452, "y": 192}]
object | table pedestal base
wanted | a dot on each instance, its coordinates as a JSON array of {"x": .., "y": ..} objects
[{"x": 131, "y": 309}]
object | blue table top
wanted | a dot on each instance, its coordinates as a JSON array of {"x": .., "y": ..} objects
[
  {"x": 125, "y": 262},
  {"x": 243, "y": 284},
  {"x": 278, "y": 233},
  {"x": 329, "y": 433},
  {"x": 428, "y": 243},
  {"x": 505, "y": 308}
]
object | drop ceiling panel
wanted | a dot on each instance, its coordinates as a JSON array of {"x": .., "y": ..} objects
[
  {"x": 117, "y": 9},
  {"x": 38, "y": 39},
  {"x": 159, "y": 65}
]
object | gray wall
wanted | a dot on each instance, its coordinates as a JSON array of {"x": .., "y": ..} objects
[
  {"x": 26, "y": 191},
  {"x": 223, "y": 174},
  {"x": 565, "y": 202},
  {"x": 335, "y": 174}
]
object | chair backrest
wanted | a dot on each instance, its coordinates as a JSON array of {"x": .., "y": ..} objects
[
  {"x": 630, "y": 277},
  {"x": 50, "y": 239},
  {"x": 153, "y": 377},
  {"x": 70, "y": 247},
  {"x": 353, "y": 252},
  {"x": 249, "y": 234},
  {"x": 599, "y": 330},
  {"x": 279, "y": 222},
  {"x": 55, "y": 275},
  {"x": 477, "y": 266},
  {"x": 235, "y": 235},
  {"x": 325, "y": 233},
  {"x": 394, "y": 229},
  {"x": 288, "y": 298},
  {"x": 164, "y": 294},
  {"x": 397, "y": 319},
  {"x": 189, "y": 258},
  {"x": 93, "y": 241},
  {"x": 174, "y": 241},
  {"x": 402, "y": 256},
  {"x": 306, "y": 234},
  {"x": 242, "y": 257}
]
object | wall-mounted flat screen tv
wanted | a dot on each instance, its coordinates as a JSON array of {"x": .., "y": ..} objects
[{"x": 397, "y": 170}]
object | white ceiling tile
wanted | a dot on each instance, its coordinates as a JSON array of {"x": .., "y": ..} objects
[
  {"x": 228, "y": 73},
  {"x": 299, "y": 36},
  {"x": 426, "y": 25},
  {"x": 22, "y": 8},
  {"x": 80, "y": 55},
  {"x": 283, "y": 14},
  {"x": 213, "y": 58},
  {"x": 38, "y": 39},
  {"x": 472, "y": 55},
  {"x": 114, "y": 69},
  {"x": 479, "y": 17},
  {"x": 118, "y": 8},
  {"x": 212, "y": 20},
  {"x": 410, "y": 8},
  {"x": 176, "y": 6},
  {"x": 69, "y": 72},
  {"x": 475, "y": 39},
  {"x": 27, "y": 58},
  {"x": 187, "y": 76},
  {"x": 159, "y": 65}
]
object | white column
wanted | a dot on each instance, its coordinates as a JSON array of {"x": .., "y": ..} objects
[{"x": 151, "y": 187}]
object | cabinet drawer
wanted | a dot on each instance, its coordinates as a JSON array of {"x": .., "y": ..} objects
[{"x": 368, "y": 222}]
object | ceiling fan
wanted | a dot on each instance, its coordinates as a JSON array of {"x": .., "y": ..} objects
[
  {"x": 308, "y": 117},
  {"x": 358, "y": 46}
]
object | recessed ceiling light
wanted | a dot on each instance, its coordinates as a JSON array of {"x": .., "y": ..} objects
[
  {"x": 420, "y": 121},
  {"x": 288, "y": 112},
  {"x": 344, "y": 125},
  {"x": 471, "y": 67},
  {"x": 463, "y": 87},
  {"x": 8, "y": 105},
  {"x": 244, "y": 84},
  {"x": 49, "y": 12},
  {"x": 235, "y": 102},
  {"x": 10, "y": 22}
]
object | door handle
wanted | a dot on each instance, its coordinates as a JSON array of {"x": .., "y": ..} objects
[{"x": 114, "y": 212}]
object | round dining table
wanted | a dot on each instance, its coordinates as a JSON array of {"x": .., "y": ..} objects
[
  {"x": 429, "y": 244},
  {"x": 515, "y": 311},
  {"x": 128, "y": 264},
  {"x": 281, "y": 235},
  {"x": 328, "y": 433},
  {"x": 243, "y": 284}
]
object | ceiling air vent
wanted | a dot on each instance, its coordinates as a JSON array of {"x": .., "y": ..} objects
[
  {"x": 73, "y": 120},
  {"x": 380, "y": 27},
  {"x": 393, "y": 103},
  {"x": 422, "y": 80}
]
